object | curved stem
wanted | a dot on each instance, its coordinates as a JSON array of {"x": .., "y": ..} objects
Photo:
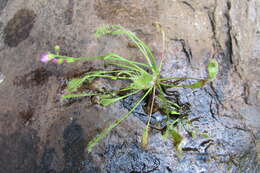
[
  {"x": 108, "y": 101},
  {"x": 109, "y": 76},
  {"x": 68, "y": 96},
  {"x": 79, "y": 58},
  {"x": 124, "y": 66},
  {"x": 171, "y": 78},
  {"x": 198, "y": 84},
  {"x": 146, "y": 131},
  {"x": 163, "y": 44}
]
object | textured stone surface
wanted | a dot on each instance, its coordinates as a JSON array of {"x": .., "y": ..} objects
[{"x": 40, "y": 134}]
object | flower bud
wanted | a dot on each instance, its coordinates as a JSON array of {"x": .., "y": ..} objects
[
  {"x": 57, "y": 61},
  {"x": 57, "y": 49}
]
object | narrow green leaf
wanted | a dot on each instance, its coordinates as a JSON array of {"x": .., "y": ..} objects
[
  {"x": 175, "y": 112},
  {"x": 177, "y": 78},
  {"x": 74, "y": 84},
  {"x": 70, "y": 60},
  {"x": 108, "y": 101},
  {"x": 168, "y": 102},
  {"x": 213, "y": 69},
  {"x": 115, "y": 57},
  {"x": 198, "y": 84},
  {"x": 68, "y": 96},
  {"x": 133, "y": 64}
]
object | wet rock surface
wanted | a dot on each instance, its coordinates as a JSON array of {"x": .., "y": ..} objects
[{"x": 39, "y": 134}]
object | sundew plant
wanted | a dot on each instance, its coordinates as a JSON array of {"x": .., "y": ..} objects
[{"x": 144, "y": 78}]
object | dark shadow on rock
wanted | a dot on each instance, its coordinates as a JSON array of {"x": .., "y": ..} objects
[
  {"x": 74, "y": 147},
  {"x": 19, "y": 27},
  {"x": 34, "y": 78}
]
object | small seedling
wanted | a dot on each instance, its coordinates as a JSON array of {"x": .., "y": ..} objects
[{"x": 142, "y": 77}]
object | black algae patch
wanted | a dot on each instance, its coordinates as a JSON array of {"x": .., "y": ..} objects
[
  {"x": 74, "y": 147},
  {"x": 131, "y": 159}
]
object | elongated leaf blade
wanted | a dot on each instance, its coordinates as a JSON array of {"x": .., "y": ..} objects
[
  {"x": 198, "y": 84},
  {"x": 74, "y": 84},
  {"x": 109, "y": 101},
  {"x": 195, "y": 85},
  {"x": 105, "y": 101},
  {"x": 68, "y": 96}
]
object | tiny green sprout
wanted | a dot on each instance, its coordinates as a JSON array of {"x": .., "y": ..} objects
[{"x": 143, "y": 77}]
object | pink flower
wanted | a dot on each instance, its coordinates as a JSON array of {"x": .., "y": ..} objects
[
  {"x": 55, "y": 60},
  {"x": 45, "y": 58}
]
